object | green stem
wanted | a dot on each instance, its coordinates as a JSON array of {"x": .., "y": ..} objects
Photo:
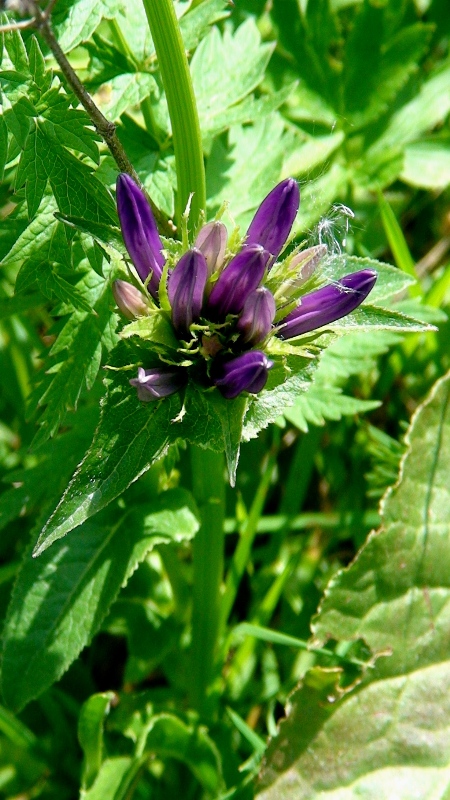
[
  {"x": 209, "y": 491},
  {"x": 176, "y": 78}
]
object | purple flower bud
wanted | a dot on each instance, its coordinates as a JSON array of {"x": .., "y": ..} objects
[
  {"x": 130, "y": 300},
  {"x": 246, "y": 373},
  {"x": 257, "y": 316},
  {"x": 153, "y": 384},
  {"x": 273, "y": 220},
  {"x": 139, "y": 231},
  {"x": 328, "y": 304},
  {"x": 242, "y": 276},
  {"x": 212, "y": 242},
  {"x": 186, "y": 287},
  {"x": 306, "y": 262}
]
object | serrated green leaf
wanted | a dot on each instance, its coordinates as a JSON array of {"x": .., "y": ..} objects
[
  {"x": 103, "y": 233},
  {"x": 37, "y": 235},
  {"x": 41, "y": 76},
  {"x": 18, "y": 121},
  {"x": 238, "y": 175},
  {"x": 84, "y": 336},
  {"x": 16, "y": 50},
  {"x": 69, "y": 128},
  {"x": 33, "y": 171},
  {"x": 323, "y": 403},
  {"x": 213, "y": 422},
  {"x": 395, "y": 595},
  {"x": 269, "y": 405},
  {"x": 130, "y": 437},
  {"x": 195, "y": 23},
  {"x": 426, "y": 110},
  {"x": 310, "y": 153},
  {"x": 225, "y": 69},
  {"x": 155, "y": 328},
  {"x": 348, "y": 355},
  {"x": 368, "y": 316},
  {"x": 128, "y": 90},
  {"x": 251, "y": 109},
  {"x": 375, "y": 75},
  {"x": 60, "y": 600},
  {"x": 75, "y": 22}
]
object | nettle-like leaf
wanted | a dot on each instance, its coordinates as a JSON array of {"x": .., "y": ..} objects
[
  {"x": 428, "y": 108},
  {"x": 60, "y": 601},
  {"x": 389, "y": 735},
  {"x": 238, "y": 171},
  {"x": 75, "y": 22},
  {"x": 225, "y": 69},
  {"x": 375, "y": 75}
]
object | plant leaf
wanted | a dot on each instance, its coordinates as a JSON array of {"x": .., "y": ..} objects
[
  {"x": 389, "y": 736},
  {"x": 61, "y": 599}
]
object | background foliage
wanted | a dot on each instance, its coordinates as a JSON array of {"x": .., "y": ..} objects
[{"x": 351, "y": 98}]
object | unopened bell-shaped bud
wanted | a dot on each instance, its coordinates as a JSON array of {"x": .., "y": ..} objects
[
  {"x": 305, "y": 263},
  {"x": 139, "y": 231},
  {"x": 212, "y": 242},
  {"x": 328, "y": 304},
  {"x": 274, "y": 218},
  {"x": 186, "y": 288},
  {"x": 158, "y": 382},
  {"x": 130, "y": 300},
  {"x": 242, "y": 276},
  {"x": 255, "y": 321},
  {"x": 245, "y": 373}
]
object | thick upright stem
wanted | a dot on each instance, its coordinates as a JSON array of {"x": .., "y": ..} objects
[
  {"x": 177, "y": 82},
  {"x": 209, "y": 490}
]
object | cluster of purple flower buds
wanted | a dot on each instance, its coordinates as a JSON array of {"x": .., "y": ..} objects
[{"x": 221, "y": 303}]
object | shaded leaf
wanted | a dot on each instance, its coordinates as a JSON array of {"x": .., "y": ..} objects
[
  {"x": 389, "y": 736},
  {"x": 61, "y": 599}
]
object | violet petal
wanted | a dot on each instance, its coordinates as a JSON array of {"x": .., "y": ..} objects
[
  {"x": 212, "y": 242},
  {"x": 158, "y": 382},
  {"x": 328, "y": 304},
  {"x": 139, "y": 231},
  {"x": 257, "y": 316},
  {"x": 245, "y": 373},
  {"x": 186, "y": 287},
  {"x": 242, "y": 276},
  {"x": 130, "y": 300},
  {"x": 274, "y": 218}
]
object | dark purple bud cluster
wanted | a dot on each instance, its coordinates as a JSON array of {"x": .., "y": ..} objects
[{"x": 220, "y": 308}]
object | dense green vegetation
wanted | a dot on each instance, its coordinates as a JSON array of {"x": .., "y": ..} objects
[{"x": 129, "y": 668}]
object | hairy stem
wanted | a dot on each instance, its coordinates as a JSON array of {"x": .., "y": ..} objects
[{"x": 106, "y": 129}]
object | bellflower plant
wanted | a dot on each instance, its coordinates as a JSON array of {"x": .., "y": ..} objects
[{"x": 222, "y": 305}]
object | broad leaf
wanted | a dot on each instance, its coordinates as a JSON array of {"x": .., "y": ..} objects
[
  {"x": 388, "y": 736},
  {"x": 130, "y": 437},
  {"x": 61, "y": 599},
  {"x": 226, "y": 69}
]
